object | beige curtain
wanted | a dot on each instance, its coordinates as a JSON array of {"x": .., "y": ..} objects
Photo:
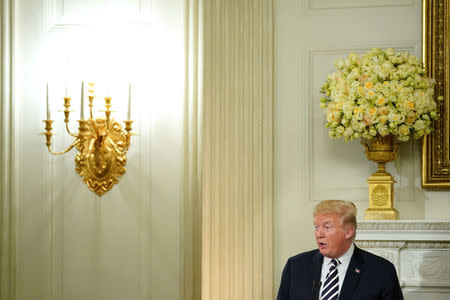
[{"x": 237, "y": 181}]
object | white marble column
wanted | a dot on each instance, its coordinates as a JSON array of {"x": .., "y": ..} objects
[{"x": 237, "y": 239}]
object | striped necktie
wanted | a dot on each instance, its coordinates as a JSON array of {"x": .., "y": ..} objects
[{"x": 330, "y": 289}]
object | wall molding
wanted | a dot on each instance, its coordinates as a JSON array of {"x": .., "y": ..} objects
[
  {"x": 192, "y": 206},
  {"x": 349, "y": 4},
  {"x": 145, "y": 228},
  {"x": 309, "y": 106},
  {"x": 56, "y": 20},
  {"x": 8, "y": 164},
  {"x": 404, "y": 225}
]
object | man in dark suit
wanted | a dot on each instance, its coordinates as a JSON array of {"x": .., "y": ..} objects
[{"x": 338, "y": 269}]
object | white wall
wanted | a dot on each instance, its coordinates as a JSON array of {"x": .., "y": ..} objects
[
  {"x": 310, "y": 166},
  {"x": 70, "y": 243}
]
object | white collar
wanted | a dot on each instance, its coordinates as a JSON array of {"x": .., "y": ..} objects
[{"x": 344, "y": 259}]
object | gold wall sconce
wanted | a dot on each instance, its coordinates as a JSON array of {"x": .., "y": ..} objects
[{"x": 102, "y": 143}]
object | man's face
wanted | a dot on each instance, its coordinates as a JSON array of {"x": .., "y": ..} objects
[{"x": 333, "y": 239}]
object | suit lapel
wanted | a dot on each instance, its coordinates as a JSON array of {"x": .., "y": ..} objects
[
  {"x": 354, "y": 272},
  {"x": 316, "y": 270}
]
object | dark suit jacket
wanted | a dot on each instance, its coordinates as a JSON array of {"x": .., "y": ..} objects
[{"x": 368, "y": 277}]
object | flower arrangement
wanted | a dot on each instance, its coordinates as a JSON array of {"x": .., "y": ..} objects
[{"x": 377, "y": 94}]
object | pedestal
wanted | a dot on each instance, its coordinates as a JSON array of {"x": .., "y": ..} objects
[{"x": 381, "y": 198}]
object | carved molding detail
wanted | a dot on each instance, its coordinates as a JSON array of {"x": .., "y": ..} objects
[
  {"x": 404, "y": 225},
  {"x": 380, "y": 244},
  {"x": 403, "y": 245},
  {"x": 431, "y": 268},
  {"x": 427, "y": 245},
  {"x": 391, "y": 255}
]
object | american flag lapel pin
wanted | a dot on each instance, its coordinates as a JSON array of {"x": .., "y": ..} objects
[{"x": 357, "y": 270}]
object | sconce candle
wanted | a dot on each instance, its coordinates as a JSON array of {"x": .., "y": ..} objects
[
  {"x": 48, "y": 105},
  {"x": 82, "y": 101},
  {"x": 129, "y": 102}
]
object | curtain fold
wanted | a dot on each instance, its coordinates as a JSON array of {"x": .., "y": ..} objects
[{"x": 237, "y": 150}]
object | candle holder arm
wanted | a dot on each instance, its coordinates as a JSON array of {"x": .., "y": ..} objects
[
  {"x": 69, "y": 132},
  {"x": 75, "y": 142},
  {"x": 48, "y": 136}
]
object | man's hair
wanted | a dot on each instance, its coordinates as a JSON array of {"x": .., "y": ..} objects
[{"x": 346, "y": 209}]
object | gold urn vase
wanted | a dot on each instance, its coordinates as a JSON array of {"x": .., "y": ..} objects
[{"x": 381, "y": 184}]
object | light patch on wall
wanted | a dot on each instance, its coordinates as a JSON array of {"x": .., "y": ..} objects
[
  {"x": 116, "y": 52},
  {"x": 64, "y": 14},
  {"x": 110, "y": 56}
]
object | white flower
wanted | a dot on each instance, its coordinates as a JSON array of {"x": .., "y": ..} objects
[
  {"x": 395, "y": 117},
  {"x": 403, "y": 130},
  {"x": 419, "y": 125},
  {"x": 379, "y": 93},
  {"x": 383, "y": 130},
  {"x": 348, "y": 132},
  {"x": 339, "y": 63}
]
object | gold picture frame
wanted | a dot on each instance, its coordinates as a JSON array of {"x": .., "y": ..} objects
[{"x": 436, "y": 41}]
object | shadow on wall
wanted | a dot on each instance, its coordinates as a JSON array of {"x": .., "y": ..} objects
[{"x": 430, "y": 279}]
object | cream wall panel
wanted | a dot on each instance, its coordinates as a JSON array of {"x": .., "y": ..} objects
[
  {"x": 309, "y": 166},
  {"x": 72, "y": 244}
]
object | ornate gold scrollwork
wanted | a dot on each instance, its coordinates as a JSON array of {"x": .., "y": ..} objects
[
  {"x": 102, "y": 157},
  {"x": 381, "y": 184},
  {"x": 436, "y": 56},
  {"x": 102, "y": 144}
]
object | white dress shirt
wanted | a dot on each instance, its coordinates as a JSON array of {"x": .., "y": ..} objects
[{"x": 341, "y": 268}]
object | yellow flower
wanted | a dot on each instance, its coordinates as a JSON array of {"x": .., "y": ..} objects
[
  {"x": 381, "y": 101},
  {"x": 403, "y": 130},
  {"x": 409, "y": 105},
  {"x": 382, "y": 119},
  {"x": 357, "y": 110},
  {"x": 384, "y": 110},
  {"x": 369, "y": 85},
  {"x": 410, "y": 118}
]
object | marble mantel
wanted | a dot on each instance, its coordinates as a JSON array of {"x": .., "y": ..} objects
[{"x": 419, "y": 249}]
